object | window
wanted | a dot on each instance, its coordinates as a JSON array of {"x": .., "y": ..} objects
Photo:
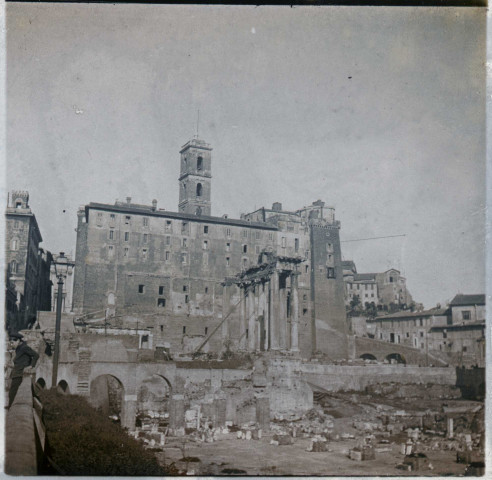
[
  {"x": 421, "y": 322},
  {"x": 167, "y": 256},
  {"x": 444, "y": 334},
  {"x": 205, "y": 259},
  {"x": 228, "y": 232},
  {"x": 408, "y": 335},
  {"x": 168, "y": 240},
  {"x": 187, "y": 299},
  {"x": 421, "y": 334},
  {"x": 307, "y": 268},
  {"x": 205, "y": 229},
  {"x": 228, "y": 247},
  {"x": 161, "y": 302},
  {"x": 206, "y": 289},
  {"x": 184, "y": 329},
  {"x": 110, "y": 251},
  {"x": 257, "y": 249},
  {"x": 141, "y": 288},
  {"x": 111, "y": 234},
  {"x": 330, "y": 273},
  {"x": 185, "y": 242},
  {"x": 169, "y": 226},
  {"x": 184, "y": 227},
  {"x": 270, "y": 236},
  {"x": 161, "y": 290},
  {"x": 13, "y": 266},
  {"x": 127, "y": 236},
  {"x": 206, "y": 330},
  {"x": 183, "y": 258},
  {"x": 145, "y": 238},
  {"x": 466, "y": 314},
  {"x": 415, "y": 342},
  {"x": 257, "y": 235},
  {"x": 391, "y": 279},
  {"x": 228, "y": 261},
  {"x": 296, "y": 245},
  {"x": 284, "y": 242},
  {"x": 127, "y": 220},
  {"x": 125, "y": 252},
  {"x": 247, "y": 332},
  {"x": 162, "y": 328},
  {"x": 245, "y": 249},
  {"x": 15, "y": 244},
  {"x": 185, "y": 288},
  {"x": 245, "y": 262},
  {"x": 199, "y": 163},
  {"x": 199, "y": 190},
  {"x": 304, "y": 311},
  {"x": 16, "y": 224},
  {"x": 465, "y": 349},
  {"x": 112, "y": 217},
  {"x": 205, "y": 244},
  {"x": 145, "y": 222}
]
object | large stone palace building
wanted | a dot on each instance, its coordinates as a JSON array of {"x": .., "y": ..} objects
[{"x": 271, "y": 280}]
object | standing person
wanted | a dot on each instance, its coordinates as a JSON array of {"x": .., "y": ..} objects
[{"x": 25, "y": 357}]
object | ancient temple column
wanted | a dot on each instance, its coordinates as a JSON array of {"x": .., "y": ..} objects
[
  {"x": 274, "y": 312},
  {"x": 266, "y": 314},
  {"x": 283, "y": 318},
  {"x": 260, "y": 298},
  {"x": 226, "y": 308},
  {"x": 242, "y": 320},
  {"x": 251, "y": 319},
  {"x": 294, "y": 325}
]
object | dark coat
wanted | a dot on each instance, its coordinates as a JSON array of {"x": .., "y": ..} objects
[{"x": 25, "y": 356}]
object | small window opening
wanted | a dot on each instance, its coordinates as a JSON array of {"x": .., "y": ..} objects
[{"x": 141, "y": 288}]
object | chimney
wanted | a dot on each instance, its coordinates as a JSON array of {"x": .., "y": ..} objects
[
  {"x": 154, "y": 205},
  {"x": 128, "y": 200}
]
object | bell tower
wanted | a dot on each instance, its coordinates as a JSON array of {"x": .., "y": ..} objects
[{"x": 195, "y": 178}]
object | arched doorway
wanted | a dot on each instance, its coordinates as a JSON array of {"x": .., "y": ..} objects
[
  {"x": 368, "y": 356},
  {"x": 63, "y": 387},
  {"x": 153, "y": 397},
  {"x": 395, "y": 358},
  {"x": 106, "y": 394},
  {"x": 40, "y": 382}
]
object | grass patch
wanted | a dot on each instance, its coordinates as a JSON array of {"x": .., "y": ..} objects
[{"x": 83, "y": 441}]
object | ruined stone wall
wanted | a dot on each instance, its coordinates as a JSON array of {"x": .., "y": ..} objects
[
  {"x": 335, "y": 378},
  {"x": 330, "y": 321}
]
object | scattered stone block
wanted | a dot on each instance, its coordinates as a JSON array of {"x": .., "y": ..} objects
[
  {"x": 355, "y": 455},
  {"x": 284, "y": 439}
]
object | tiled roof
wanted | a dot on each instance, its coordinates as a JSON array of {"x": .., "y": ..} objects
[
  {"x": 475, "y": 299},
  {"x": 147, "y": 210},
  {"x": 364, "y": 276},
  {"x": 409, "y": 314}
]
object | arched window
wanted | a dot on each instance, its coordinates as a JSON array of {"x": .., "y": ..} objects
[
  {"x": 199, "y": 190},
  {"x": 199, "y": 163},
  {"x": 14, "y": 245},
  {"x": 13, "y": 266},
  {"x": 184, "y": 188},
  {"x": 111, "y": 299}
]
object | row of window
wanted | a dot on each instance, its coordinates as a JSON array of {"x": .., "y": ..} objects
[{"x": 365, "y": 286}]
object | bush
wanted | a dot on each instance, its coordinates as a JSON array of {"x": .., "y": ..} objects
[{"x": 83, "y": 441}]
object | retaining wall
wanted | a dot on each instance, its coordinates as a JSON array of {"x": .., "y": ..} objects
[{"x": 334, "y": 378}]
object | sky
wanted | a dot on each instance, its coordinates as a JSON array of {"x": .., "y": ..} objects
[{"x": 378, "y": 111}]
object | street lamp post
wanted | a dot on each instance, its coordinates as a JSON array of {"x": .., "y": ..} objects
[{"x": 61, "y": 269}]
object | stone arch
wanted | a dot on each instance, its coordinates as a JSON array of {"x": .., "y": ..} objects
[
  {"x": 396, "y": 358},
  {"x": 368, "y": 356},
  {"x": 199, "y": 190},
  {"x": 107, "y": 393},
  {"x": 63, "y": 387},
  {"x": 153, "y": 399},
  {"x": 41, "y": 383},
  {"x": 199, "y": 163}
]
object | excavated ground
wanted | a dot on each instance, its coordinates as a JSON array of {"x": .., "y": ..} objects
[{"x": 382, "y": 423}]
